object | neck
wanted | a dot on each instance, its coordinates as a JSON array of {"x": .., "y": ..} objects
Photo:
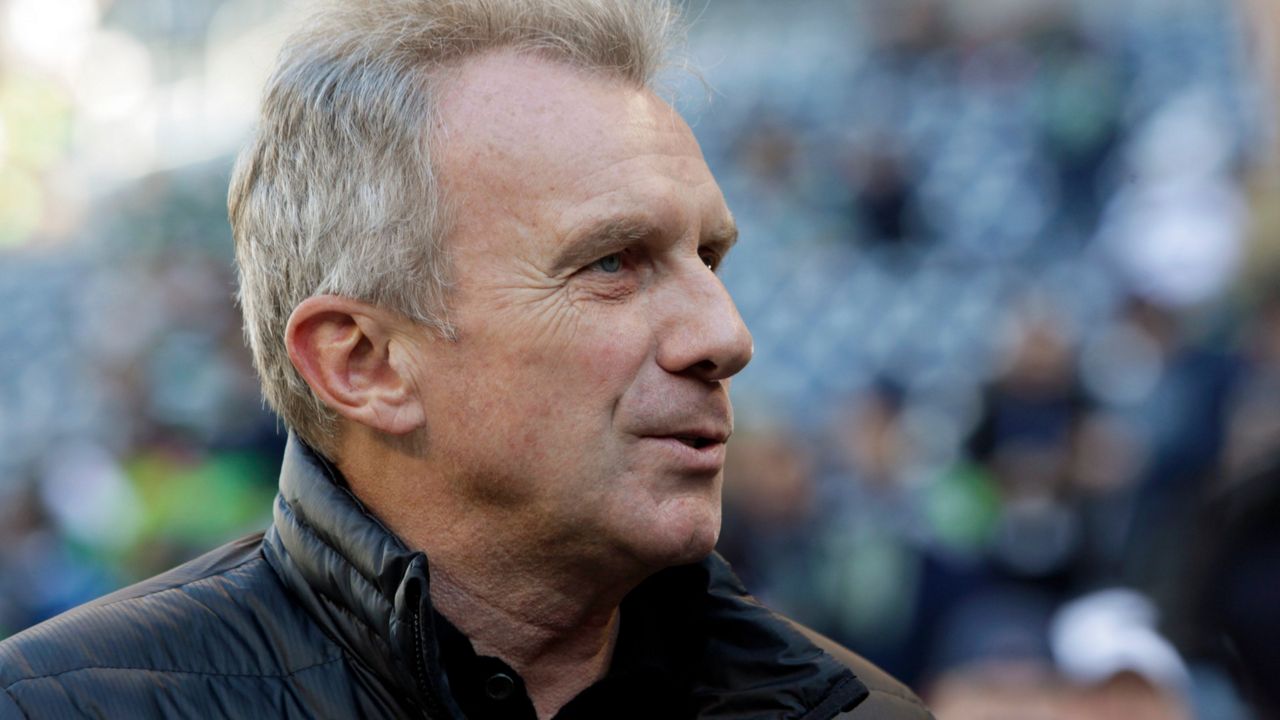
[
  {"x": 558, "y": 643},
  {"x": 538, "y": 600}
]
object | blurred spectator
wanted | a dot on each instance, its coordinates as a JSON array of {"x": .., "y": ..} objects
[
  {"x": 1097, "y": 658},
  {"x": 882, "y": 208},
  {"x": 1253, "y": 432}
]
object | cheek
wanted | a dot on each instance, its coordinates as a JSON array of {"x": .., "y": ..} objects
[
  {"x": 578, "y": 389},
  {"x": 563, "y": 379},
  {"x": 609, "y": 370},
  {"x": 592, "y": 354},
  {"x": 614, "y": 357}
]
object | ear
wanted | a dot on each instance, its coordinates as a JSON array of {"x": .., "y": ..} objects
[{"x": 345, "y": 350}]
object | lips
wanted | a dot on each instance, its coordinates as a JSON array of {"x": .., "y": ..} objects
[
  {"x": 698, "y": 439},
  {"x": 692, "y": 440},
  {"x": 699, "y": 450}
]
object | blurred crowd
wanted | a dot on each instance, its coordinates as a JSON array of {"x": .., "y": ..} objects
[
  {"x": 1013, "y": 425},
  {"x": 1017, "y": 348}
]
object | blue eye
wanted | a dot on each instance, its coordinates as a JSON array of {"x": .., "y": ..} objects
[{"x": 610, "y": 263}]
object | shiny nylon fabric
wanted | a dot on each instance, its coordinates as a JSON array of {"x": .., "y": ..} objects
[
  {"x": 763, "y": 667},
  {"x": 328, "y": 615},
  {"x": 208, "y": 639}
]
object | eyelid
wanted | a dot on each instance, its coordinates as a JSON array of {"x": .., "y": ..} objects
[
  {"x": 712, "y": 256},
  {"x": 620, "y": 253}
]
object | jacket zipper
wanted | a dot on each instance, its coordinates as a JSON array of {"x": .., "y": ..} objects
[{"x": 433, "y": 710}]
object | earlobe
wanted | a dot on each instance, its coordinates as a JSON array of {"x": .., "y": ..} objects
[{"x": 343, "y": 349}]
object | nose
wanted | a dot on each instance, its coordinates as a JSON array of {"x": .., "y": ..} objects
[{"x": 702, "y": 334}]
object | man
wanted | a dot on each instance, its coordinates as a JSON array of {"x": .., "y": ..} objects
[{"x": 477, "y": 261}]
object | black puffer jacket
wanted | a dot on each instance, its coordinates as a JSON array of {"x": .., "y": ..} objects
[{"x": 328, "y": 616}]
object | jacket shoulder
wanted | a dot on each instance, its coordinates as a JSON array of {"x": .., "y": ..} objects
[
  {"x": 888, "y": 698},
  {"x": 222, "y": 619}
]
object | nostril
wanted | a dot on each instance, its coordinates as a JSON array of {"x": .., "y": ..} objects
[{"x": 702, "y": 335}]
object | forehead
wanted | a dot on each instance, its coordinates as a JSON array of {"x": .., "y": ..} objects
[
  {"x": 507, "y": 104},
  {"x": 566, "y": 144}
]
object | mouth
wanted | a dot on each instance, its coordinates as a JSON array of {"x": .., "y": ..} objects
[
  {"x": 697, "y": 442},
  {"x": 701, "y": 455}
]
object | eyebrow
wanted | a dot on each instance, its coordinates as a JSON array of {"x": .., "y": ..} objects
[
  {"x": 615, "y": 234},
  {"x": 600, "y": 239}
]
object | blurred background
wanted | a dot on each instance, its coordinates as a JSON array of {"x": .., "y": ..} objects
[{"x": 1013, "y": 269}]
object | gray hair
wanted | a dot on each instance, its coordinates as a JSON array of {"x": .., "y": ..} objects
[{"x": 336, "y": 192}]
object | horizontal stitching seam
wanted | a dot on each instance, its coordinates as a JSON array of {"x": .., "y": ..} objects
[
  {"x": 15, "y": 702},
  {"x": 333, "y": 604},
  {"x": 260, "y": 676},
  {"x": 374, "y": 634},
  {"x": 204, "y": 578}
]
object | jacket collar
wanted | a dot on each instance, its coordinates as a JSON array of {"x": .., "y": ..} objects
[
  {"x": 360, "y": 582},
  {"x": 371, "y": 593},
  {"x": 743, "y": 636}
]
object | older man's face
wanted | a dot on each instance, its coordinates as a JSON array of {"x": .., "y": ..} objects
[{"x": 586, "y": 399}]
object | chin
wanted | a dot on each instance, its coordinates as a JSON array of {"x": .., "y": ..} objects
[
  {"x": 699, "y": 547},
  {"x": 685, "y": 537}
]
